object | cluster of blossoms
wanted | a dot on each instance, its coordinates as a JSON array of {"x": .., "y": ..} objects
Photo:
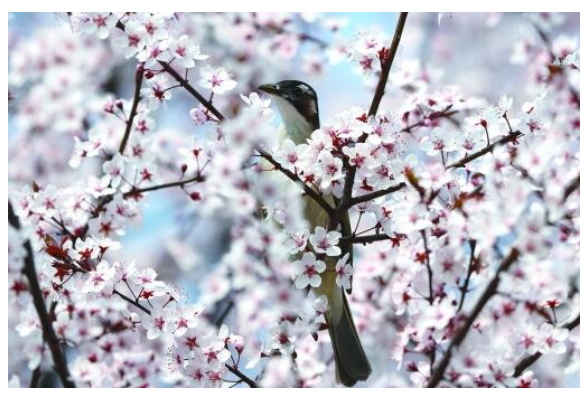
[
  {"x": 102, "y": 306},
  {"x": 425, "y": 186}
]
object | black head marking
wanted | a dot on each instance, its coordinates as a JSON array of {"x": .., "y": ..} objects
[{"x": 300, "y": 95}]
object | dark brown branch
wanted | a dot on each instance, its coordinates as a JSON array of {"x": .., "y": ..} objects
[
  {"x": 439, "y": 371},
  {"x": 465, "y": 288},
  {"x": 49, "y": 334},
  {"x": 182, "y": 183},
  {"x": 293, "y": 177},
  {"x": 133, "y": 112},
  {"x": 301, "y": 36},
  {"x": 572, "y": 187},
  {"x": 429, "y": 269},
  {"x": 387, "y": 65},
  {"x": 190, "y": 89},
  {"x": 233, "y": 370},
  {"x": 511, "y": 137},
  {"x": 365, "y": 239},
  {"x": 447, "y": 113},
  {"x": 185, "y": 84},
  {"x": 132, "y": 301},
  {"x": 376, "y": 194},
  {"x": 527, "y": 361},
  {"x": 346, "y": 199}
]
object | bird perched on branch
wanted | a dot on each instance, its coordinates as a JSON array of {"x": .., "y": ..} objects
[{"x": 298, "y": 105}]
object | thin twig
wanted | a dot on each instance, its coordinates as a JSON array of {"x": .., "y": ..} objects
[
  {"x": 190, "y": 89},
  {"x": 376, "y": 194},
  {"x": 511, "y": 137},
  {"x": 364, "y": 239},
  {"x": 136, "y": 191}
]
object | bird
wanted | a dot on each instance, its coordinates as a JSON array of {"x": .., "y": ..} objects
[{"x": 297, "y": 103}]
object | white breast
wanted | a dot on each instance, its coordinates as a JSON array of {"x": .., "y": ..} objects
[{"x": 297, "y": 127}]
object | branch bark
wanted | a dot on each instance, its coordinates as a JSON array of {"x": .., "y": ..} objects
[
  {"x": 381, "y": 88},
  {"x": 572, "y": 187},
  {"x": 190, "y": 89},
  {"x": 136, "y": 191},
  {"x": 438, "y": 373},
  {"x": 527, "y": 361},
  {"x": 511, "y": 137},
  {"x": 49, "y": 334},
  {"x": 294, "y": 178},
  {"x": 234, "y": 370},
  {"x": 133, "y": 112}
]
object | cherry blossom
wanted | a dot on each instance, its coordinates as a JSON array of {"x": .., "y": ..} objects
[
  {"x": 282, "y": 338},
  {"x": 166, "y": 246},
  {"x": 308, "y": 269},
  {"x": 218, "y": 80},
  {"x": 325, "y": 242},
  {"x": 100, "y": 280},
  {"x": 184, "y": 51},
  {"x": 297, "y": 241},
  {"x": 344, "y": 272}
]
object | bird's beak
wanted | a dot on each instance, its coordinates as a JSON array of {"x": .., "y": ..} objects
[{"x": 270, "y": 88}]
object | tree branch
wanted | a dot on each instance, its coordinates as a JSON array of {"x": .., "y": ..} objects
[
  {"x": 235, "y": 371},
  {"x": 464, "y": 289},
  {"x": 381, "y": 88},
  {"x": 136, "y": 191},
  {"x": 133, "y": 112},
  {"x": 572, "y": 187},
  {"x": 429, "y": 269},
  {"x": 293, "y": 177},
  {"x": 49, "y": 335},
  {"x": 376, "y": 194},
  {"x": 527, "y": 361},
  {"x": 365, "y": 239},
  {"x": 438, "y": 373},
  {"x": 346, "y": 199},
  {"x": 511, "y": 137},
  {"x": 251, "y": 383},
  {"x": 190, "y": 89}
]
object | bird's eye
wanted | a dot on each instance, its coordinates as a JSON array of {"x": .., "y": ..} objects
[{"x": 297, "y": 91}]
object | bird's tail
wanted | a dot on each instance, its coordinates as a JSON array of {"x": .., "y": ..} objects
[{"x": 351, "y": 361}]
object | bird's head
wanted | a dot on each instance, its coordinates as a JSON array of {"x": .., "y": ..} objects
[{"x": 297, "y": 103}]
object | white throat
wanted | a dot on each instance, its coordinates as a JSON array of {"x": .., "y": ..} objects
[{"x": 296, "y": 127}]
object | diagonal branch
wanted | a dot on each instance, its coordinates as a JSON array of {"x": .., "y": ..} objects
[
  {"x": 49, "y": 334},
  {"x": 133, "y": 112},
  {"x": 527, "y": 361},
  {"x": 190, "y": 89},
  {"x": 572, "y": 187},
  {"x": 438, "y": 373},
  {"x": 387, "y": 66},
  {"x": 376, "y": 194},
  {"x": 511, "y": 137},
  {"x": 182, "y": 183},
  {"x": 234, "y": 370},
  {"x": 294, "y": 178}
]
